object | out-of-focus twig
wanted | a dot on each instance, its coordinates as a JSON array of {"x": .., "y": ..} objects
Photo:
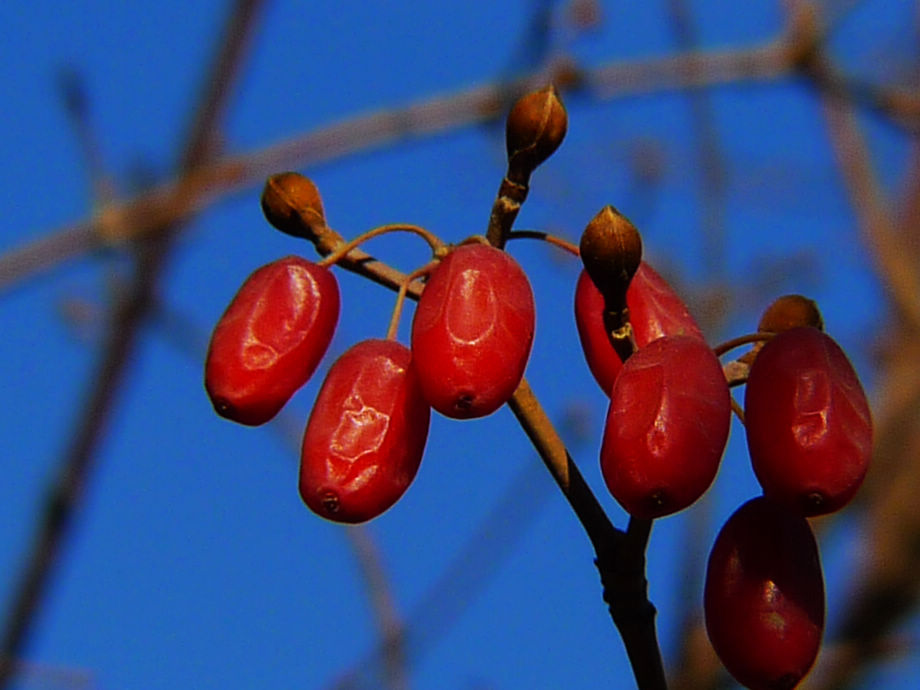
[
  {"x": 888, "y": 587},
  {"x": 191, "y": 340},
  {"x": 200, "y": 185},
  {"x": 76, "y": 106},
  {"x": 876, "y": 223},
  {"x": 49, "y": 676},
  {"x": 711, "y": 173},
  {"x": 129, "y": 311}
]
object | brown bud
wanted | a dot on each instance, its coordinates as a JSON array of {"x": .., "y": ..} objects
[
  {"x": 536, "y": 126},
  {"x": 784, "y": 313},
  {"x": 292, "y": 204},
  {"x": 611, "y": 250},
  {"x": 790, "y": 311}
]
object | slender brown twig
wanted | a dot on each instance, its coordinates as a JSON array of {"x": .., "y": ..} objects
[
  {"x": 888, "y": 587},
  {"x": 65, "y": 496},
  {"x": 622, "y": 569},
  {"x": 203, "y": 184}
]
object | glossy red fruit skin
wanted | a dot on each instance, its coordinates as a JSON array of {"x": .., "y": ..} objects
[
  {"x": 764, "y": 596},
  {"x": 655, "y": 310},
  {"x": 366, "y": 434},
  {"x": 270, "y": 339},
  {"x": 666, "y": 427},
  {"x": 808, "y": 424},
  {"x": 472, "y": 331}
]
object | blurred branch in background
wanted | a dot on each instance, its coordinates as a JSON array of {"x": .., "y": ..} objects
[
  {"x": 146, "y": 224},
  {"x": 127, "y": 314},
  {"x": 887, "y": 589},
  {"x": 203, "y": 185},
  {"x": 403, "y": 644}
]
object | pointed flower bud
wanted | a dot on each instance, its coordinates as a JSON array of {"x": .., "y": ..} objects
[
  {"x": 292, "y": 204},
  {"x": 611, "y": 250},
  {"x": 536, "y": 127}
]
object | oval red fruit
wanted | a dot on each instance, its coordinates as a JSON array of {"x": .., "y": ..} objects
[
  {"x": 655, "y": 310},
  {"x": 808, "y": 425},
  {"x": 764, "y": 596},
  {"x": 666, "y": 428},
  {"x": 366, "y": 434},
  {"x": 472, "y": 331},
  {"x": 270, "y": 339}
]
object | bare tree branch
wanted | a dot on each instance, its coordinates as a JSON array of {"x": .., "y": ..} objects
[
  {"x": 65, "y": 497},
  {"x": 202, "y": 185}
]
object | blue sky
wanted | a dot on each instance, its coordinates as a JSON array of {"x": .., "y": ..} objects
[{"x": 193, "y": 562}]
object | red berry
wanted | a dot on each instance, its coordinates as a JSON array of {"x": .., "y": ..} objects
[
  {"x": 809, "y": 429},
  {"x": 366, "y": 434},
  {"x": 270, "y": 339},
  {"x": 472, "y": 331},
  {"x": 764, "y": 596},
  {"x": 666, "y": 427},
  {"x": 655, "y": 310}
]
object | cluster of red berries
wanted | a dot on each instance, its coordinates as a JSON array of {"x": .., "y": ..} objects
[
  {"x": 809, "y": 435},
  {"x": 806, "y": 417},
  {"x": 471, "y": 337}
]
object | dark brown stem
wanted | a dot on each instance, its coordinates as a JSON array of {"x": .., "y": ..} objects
[
  {"x": 622, "y": 573},
  {"x": 542, "y": 434},
  {"x": 505, "y": 209},
  {"x": 622, "y": 569}
]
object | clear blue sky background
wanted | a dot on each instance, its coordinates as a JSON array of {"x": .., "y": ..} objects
[{"x": 193, "y": 562}]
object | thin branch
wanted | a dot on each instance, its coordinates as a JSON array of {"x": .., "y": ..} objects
[
  {"x": 203, "y": 142},
  {"x": 76, "y": 106},
  {"x": 65, "y": 497},
  {"x": 879, "y": 233},
  {"x": 47, "y": 251},
  {"x": 174, "y": 201},
  {"x": 48, "y": 676},
  {"x": 185, "y": 335},
  {"x": 622, "y": 569},
  {"x": 390, "y": 627}
]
